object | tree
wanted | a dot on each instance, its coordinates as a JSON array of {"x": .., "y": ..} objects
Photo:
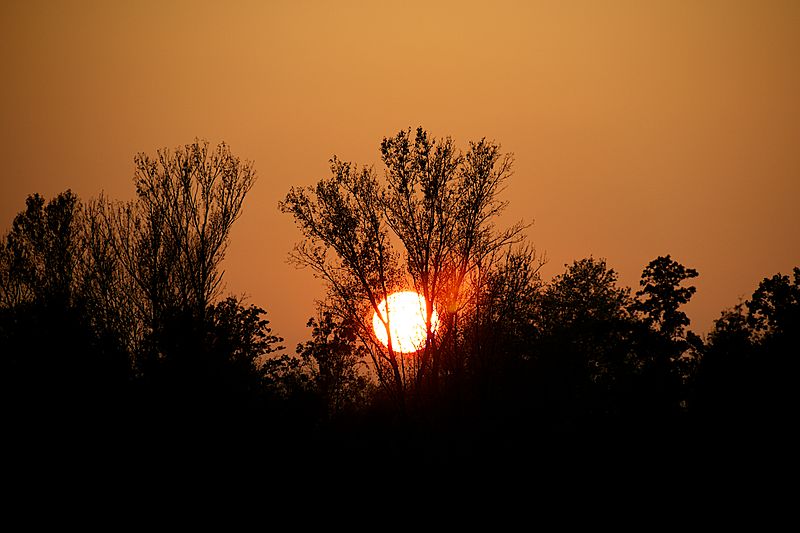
[
  {"x": 661, "y": 296},
  {"x": 108, "y": 305},
  {"x": 334, "y": 361},
  {"x": 502, "y": 321},
  {"x": 41, "y": 251},
  {"x": 774, "y": 309},
  {"x": 53, "y": 357},
  {"x": 584, "y": 341},
  {"x": 171, "y": 240},
  {"x": 745, "y": 378},
  {"x": 238, "y": 343},
  {"x": 112, "y": 300},
  {"x": 667, "y": 353},
  {"x": 727, "y": 372},
  {"x": 174, "y": 237},
  {"x": 438, "y": 205}
]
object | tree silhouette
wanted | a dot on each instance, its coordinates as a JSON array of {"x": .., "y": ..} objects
[
  {"x": 158, "y": 257},
  {"x": 175, "y": 235},
  {"x": 41, "y": 251},
  {"x": 661, "y": 296},
  {"x": 724, "y": 387},
  {"x": 104, "y": 304},
  {"x": 745, "y": 379},
  {"x": 114, "y": 303},
  {"x": 774, "y": 313},
  {"x": 334, "y": 360},
  {"x": 111, "y": 316},
  {"x": 498, "y": 331},
  {"x": 438, "y": 205},
  {"x": 774, "y": 306},
  {"x": 584, "y": 334},
  {"x": 53, "y": 360},
  {"x": 238, "y": 342},
  {"x": 666, "y": 353}
]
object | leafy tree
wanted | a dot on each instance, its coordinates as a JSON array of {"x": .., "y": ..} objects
[
  {"x": 438, "y": 204},
  {"x": 347, "y": 244},
  {"x": 723, "y": 385},
  {"x": 774, "y": 309},
  {"x": 666, "y": 352},
  {"x": 88, "y": 289},
  {"x": 488, "y": 375},
  {"x": 239, "y": 342},
  {"x": 585, "y": 342},
  {"x": 441, "y": 205},
  {"x": 53, "y": 358},
  {"x": 505, "y": 311},
  {"x": 661, "y": 296},
  {"x": 586, "y": 291},
  {"x": 745, "y": 379},
  {"x": 335, "y": 360},
  {"x": 40, "y": 251}
]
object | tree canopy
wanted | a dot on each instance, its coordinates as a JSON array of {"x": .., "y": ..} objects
[
  {"x": 428, "y": 225},
  {"x": 115, "y": 312}
]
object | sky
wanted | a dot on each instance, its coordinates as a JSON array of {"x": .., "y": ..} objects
[{"x": 638, "y": 128}]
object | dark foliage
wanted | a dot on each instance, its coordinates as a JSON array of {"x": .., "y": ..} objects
[
  {"x": 111, "y": 324},
  {"x": 745, "y": 385}
]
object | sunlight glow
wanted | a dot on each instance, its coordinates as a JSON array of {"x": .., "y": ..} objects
[{"x": 407, "y": 317}]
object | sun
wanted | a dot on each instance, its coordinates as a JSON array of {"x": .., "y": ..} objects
[{"x": 407, "y": 316}]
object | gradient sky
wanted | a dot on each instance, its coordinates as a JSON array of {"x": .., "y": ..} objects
[{"x": 640, "y": 128}]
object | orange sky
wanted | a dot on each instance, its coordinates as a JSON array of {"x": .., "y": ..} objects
[{"x": 639, "y": 128}]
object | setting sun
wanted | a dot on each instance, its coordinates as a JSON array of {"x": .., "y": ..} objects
[{"x": 407, "y": 316}]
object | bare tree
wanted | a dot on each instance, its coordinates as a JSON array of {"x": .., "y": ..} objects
[
  {"x": 189, "y": 199},
  {"x": 112, "y": 298},
  {"x": 161, "y": 253}
]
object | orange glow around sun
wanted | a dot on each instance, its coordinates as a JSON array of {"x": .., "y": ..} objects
[{"x": 407, "y": 317}]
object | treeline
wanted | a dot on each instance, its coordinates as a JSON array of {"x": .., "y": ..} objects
[{"x": 111, "y": 317}]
